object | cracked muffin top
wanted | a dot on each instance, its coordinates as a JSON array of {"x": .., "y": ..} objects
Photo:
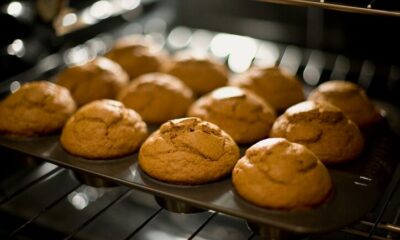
[
  {"x": 157, "y": 97},
  {"x": 100, "y": 78},
  {"x": 242, "y": 114},
  {"x": 37, "y": 108},
  {"x": 322, "y": 128},
  {"x": 350, "y": 98},
  {"x": 273, "y": 84},
  {"x": 200, "y": 73},
  {"x": 103, "y": 129},
  {"x": 188, "y": 151},
  {"x": 276, "y": 173},
  {"x": 137, "y": 55}
]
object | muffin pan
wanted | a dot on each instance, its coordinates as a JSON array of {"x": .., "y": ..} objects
[{"x": 358, "y": 185}]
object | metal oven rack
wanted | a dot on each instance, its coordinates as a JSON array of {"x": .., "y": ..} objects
[
  {"x": 42, "y": 201},
  {"x": 373, "y": 7}
]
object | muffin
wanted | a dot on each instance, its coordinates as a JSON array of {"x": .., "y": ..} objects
[
  {"x": 322, "y": 128},
  {"x": 103, "y": 129},
  {"x": 98, "y": 79},
  {"x": 188, "y": 151},
  {"x": 201, "y": 74},
  {"x": 350, "y": 98},
  {"x": 37, "y": 108},
  {"x": 242, "y": 114},
  {"x": 274, "y": 85},
  {"x": 137, "y": 55},
  {"x": 276, "y": 173},
  {"x": 157, "y": 97}
]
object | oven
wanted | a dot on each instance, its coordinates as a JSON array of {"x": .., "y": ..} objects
[{"x": 45, "y": 197}]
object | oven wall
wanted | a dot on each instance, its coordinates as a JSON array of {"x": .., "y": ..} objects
[{"x": 356, "y": 35}]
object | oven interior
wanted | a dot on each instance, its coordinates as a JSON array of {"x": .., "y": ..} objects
[{"x": 40, "y": 200}]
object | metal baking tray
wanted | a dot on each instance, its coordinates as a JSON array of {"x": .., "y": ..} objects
[{"x": 358, "y": 185}]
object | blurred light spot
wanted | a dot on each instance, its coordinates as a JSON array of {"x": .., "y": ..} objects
[
  {"x": 108, "y": 41},
  {"x": 267, "y": 54},
  {"x": 77, "y": 55},
  {"x": 366, "y": 74},
  {"x": 78, "y": 200},
  {"x": 313, "y": 70},
  {"x": 133, "y": 170},
  {"x": 69, "y": 19},
  {"x": 158, "y": 39},
  {"x": 155, "y": 234},
  {"x": 241, "y": 50},
  {"x": 91, "y": 193},
  {"x": 14, "y": 9},
  {"x": 129, "y": 4},
  {"x": 87, "y": 18},
  {"x": 101, "y": 9},
  {"x": 311, "y": 75},
  {"x": 227, "y": 92},
  {"x": 291, "y": 59},
  {"x": 85, "y": 195},
  {"x": 97, "y": 45},
  {"x": 179, "y": 37},
  {"x": 16, "y": 48},
  {"x": 340, "y": 68},
  {"x": 14, "y": 86},
  {"x": 221, "y": 45},
  {"x": 201, "y": 39},
  {"x": 155, "y": 25},
  {"x": 133, "y": 28},
  {"x": 394, "y": 77},
  {"x": 242, "y": 54}
]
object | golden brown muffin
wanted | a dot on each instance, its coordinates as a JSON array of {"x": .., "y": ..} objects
[
  {"x": 188, "y": 151},
  {"x": 201, "y": 74},
  {"x": 97, "y": 79},
  {"x": 37, "y": 108},
  {"x": 273, "y": 84},
  {"x": 322, "y": 128},
  {"x": 157, "y": 97},
  {"x": 103, "y": 129},
  {"x": 137, "y": 55},
  {"x": 350, "y": 98},
  {"x": 276, "y": 173},
  {"x": 242, "y": 114}
]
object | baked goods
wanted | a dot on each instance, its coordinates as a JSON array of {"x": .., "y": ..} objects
[
  {"x": 323, "y": 129},
  {"x": 157, "y": 97},
  {"x": 201, "y": 74},
  {"x": 274, "y": 85},
  {"x": 276, "y": 173},
  {"x": 103, "y": 129},
  {"x": 37, "y": 108},
  {"x": 242, "y": 114},
  {"x": 136, "y": 55},
  {"x": 98, "y": 79},
  {"x": 188, "y": 151},
  {"x": 350, "y": 98}
]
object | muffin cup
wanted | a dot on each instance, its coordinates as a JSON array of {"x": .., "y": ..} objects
[
  {"x": 177, "y": 206},
  {"x": 272, "y": 233},
  {"x": 93, "y": 181}
]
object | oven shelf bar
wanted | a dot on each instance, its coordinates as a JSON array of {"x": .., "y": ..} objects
[
  {"x": 339, "y": 7},
  {"x": 384, "y": 226}
]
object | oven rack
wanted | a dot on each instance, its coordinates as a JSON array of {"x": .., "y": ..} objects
[
  {"x": 372, "y": 7},
  {"x": 79, "y": 211}
]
